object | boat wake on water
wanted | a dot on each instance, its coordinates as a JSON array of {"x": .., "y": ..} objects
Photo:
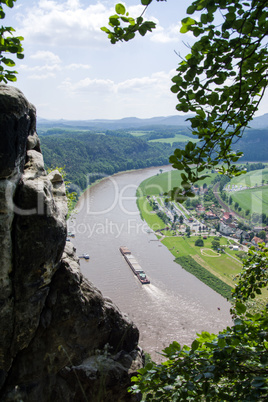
[{"x": 154, "y": 292}]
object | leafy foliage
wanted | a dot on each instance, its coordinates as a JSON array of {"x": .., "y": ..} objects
[
  {"x": 222, "y": 81},
  {"x": 199, "y": 242},
  {"x": 8, "y": 44},
  {"x": 254, "y": 276},
  {"x": 125, "y": 27}
]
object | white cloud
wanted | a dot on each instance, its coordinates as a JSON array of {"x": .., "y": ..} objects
[
  {"x": 88, "y": 85},
  {"x": 68, "y": 22},
  {"x": 157, "y": 83},
  {"x": 46, "y": 67},
  {"x": 46, "y": 55},
  {"x": 166, "y": 35},
  {"x": 65, "y": 23},
  {"x": 42, "y": 76},
  {"x": 75, "y": 66}
]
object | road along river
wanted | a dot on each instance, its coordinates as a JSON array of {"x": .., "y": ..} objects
[{"x": 175, "y": 305}]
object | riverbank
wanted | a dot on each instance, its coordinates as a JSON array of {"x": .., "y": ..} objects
[{"x": 98, "y": 181}]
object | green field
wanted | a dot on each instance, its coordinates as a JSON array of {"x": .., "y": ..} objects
[
  {"x": 149, "y": 215},
  {"x": 251, "y": 179},
  {"x": 256, "y": 200},
  {"x": 224, "y": 266},
  {"x": 164, "y": 182},
  {"x": 177, "y": 138}
]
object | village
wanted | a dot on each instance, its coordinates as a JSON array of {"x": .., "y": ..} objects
[{"x": 203, "y": 217}]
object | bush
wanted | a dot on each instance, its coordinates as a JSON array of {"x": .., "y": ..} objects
[{"x": 199, "y": 242}]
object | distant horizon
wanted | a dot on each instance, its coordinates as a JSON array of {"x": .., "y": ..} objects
[{"x": 129, "y": 118}]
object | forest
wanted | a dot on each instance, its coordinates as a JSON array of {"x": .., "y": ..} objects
[{"x": 88, "y": 156}]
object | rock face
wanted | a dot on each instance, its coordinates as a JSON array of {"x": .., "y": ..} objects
[{"x": 59, "y": 338}]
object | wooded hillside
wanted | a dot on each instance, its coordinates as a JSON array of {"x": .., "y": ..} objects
[{"x": 89, "y": 155}]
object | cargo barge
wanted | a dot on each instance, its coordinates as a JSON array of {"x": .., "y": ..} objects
[{"x": 134, "y": 265}]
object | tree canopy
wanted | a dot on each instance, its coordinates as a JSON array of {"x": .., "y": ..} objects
[{"x": 8, "y": 44}]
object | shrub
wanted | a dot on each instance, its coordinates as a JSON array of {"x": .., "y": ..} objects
[{"x": 199, "y": 242}]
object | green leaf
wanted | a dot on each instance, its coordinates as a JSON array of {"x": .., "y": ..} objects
[
  {"x": 175, "y": 89},
  {"x": 105, "y": 29},
  {"x": 221, "y": 342},
  {"x": 8, "y": 62},
  {"x": 195, "y": 345},
  {"x": 191, "y": 9},
  {"x": 114, "y": 20},
  {"x": 142, "y": 30},
  {"x": 201, "y": 113},
  {"x": 240, "y": 308},
  {"x": 120, "y": 9},
  {"x": 214, "y": 98}
]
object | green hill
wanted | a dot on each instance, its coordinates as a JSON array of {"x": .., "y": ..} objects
[{"x": 88, "y": 156}]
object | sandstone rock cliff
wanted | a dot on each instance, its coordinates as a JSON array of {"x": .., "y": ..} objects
[{"x": 60, "y": 339}]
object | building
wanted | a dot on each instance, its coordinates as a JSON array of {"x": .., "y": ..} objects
[
  {"x": 200, "y": 209},
  {"x": 225, "y": 229},
  {"x": 211, "y": 215},
  {"x": 256, "y": 240},
  {"x": 227, "y": 217}
]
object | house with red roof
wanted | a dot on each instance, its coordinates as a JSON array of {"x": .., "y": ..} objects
[
  {"x": 227, "y": 217},
  {"x": 256, "y": 240}
]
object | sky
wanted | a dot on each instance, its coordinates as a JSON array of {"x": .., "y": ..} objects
[{"x": 71, "y": 70}]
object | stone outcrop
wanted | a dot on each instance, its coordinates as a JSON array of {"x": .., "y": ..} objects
[{"x": 60, "y": 339}]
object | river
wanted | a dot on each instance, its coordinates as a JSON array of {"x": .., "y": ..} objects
[{"x": 175, "y": 305}]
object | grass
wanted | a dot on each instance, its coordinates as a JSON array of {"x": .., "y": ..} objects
[
  {"x": 164, "y": 182},
  {"x": 147, "y": 213},
  {"x": 177, "y": 138},
  {"x": 190, "y": 265},
  {"x": 255, "y": 199},
  {"x": 251, "y": 179},
  {"x": 225, "y": 267}
]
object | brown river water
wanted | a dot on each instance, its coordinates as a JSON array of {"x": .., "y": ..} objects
[{"x": 176, "y": 305}]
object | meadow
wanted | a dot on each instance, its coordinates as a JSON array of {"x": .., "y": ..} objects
[
  {"x": 165, "y": 181},
  {"x": 224, "y": 266},
  {"x": 147, "y": 214},
  {"x": 251, "y": 179},
  {"x": 255, "y": 199},
  {"x": 177, "y": 138}
]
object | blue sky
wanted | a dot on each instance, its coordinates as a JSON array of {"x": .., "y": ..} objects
[{"x": 71, "y": 71}]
